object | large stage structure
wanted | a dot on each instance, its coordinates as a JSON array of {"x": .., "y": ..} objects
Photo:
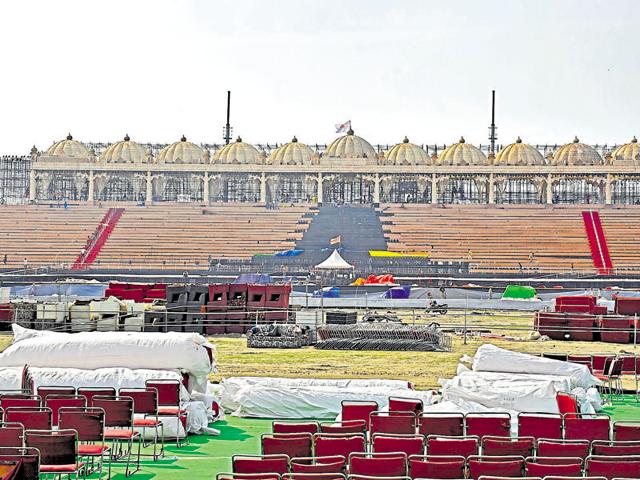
[{"x": 349, "y": 170}]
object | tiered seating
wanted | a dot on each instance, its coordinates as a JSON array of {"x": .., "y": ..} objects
[
  {"x": 507, "y": 237},
  {"x": 166, "y": 236},
  {"x": 45, "y": 235}
]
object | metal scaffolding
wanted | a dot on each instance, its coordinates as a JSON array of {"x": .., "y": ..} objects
[{"x": 14, "y": 179}]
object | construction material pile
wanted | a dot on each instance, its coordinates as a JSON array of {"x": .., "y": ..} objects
[
  {"x": 388, "y": 336},
  {"x": 277, "y": 336}
]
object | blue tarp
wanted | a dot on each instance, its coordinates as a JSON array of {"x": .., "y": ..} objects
[
  {"x": 253, "y": 278},
  {"x": 289, "y": 253},
  {"x": 398, "y": 292},
  {"x": 327, "y": 292}
]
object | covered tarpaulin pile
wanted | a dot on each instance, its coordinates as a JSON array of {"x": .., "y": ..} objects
[
  {"x": 398, "y": 292},
  {"x": 519, "y": 292},
  {"x": 327, "y": 292},
  {"x": 253, "y": 278}
]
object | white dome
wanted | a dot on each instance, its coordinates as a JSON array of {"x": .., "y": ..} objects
[
  {"x": 182, "y": 152},
  {"x": 125, "y": 151},
  {"x": 576, "y": 153},
  {"x": 350, "y": 146},
  {"x": 68, "y": 148},
  {"x": 293, "y": 153},
  {"x": 519, "y": 153},
  {"x": 238, "y": 152},
  {"x": 406, "y": 153},
  {"x": 461, "y": 154}
]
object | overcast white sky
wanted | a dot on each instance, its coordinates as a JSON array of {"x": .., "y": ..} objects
[{"x": 424, "y": 68}]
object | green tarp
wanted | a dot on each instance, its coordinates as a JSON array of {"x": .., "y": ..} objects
[{"x": 518, "y": 292}]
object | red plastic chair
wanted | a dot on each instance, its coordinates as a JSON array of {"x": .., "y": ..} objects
[
  {"x": 358, "y": 410},
  {"x": 118, "y": 421},
  {"x": 11, "y": 435},
  {"x": 493, "y": 424},
  {"x": 169, "y": 403},
  {"x": 615, "y": 448},
  {"x": 31, "y": 418},
  {"x": 407, "y": 444},
  {"x": 330, "y": 445},
  {"x": 378, "y": 464},
  {"x": 260, "y": 464},
  {"x": 437, "y": 466},
  {"x": 462, "y": 446},
  {"x": 540, "y": 425},
  {"x": 314, "y": 476},
  {"x": 145, "y": 410},
  {"x": 402, "y": 404},
  {"x": 57, "y": 401},
  {"x": 295, "y": 427},
  {"x": 88, "y": 422},
  {"x": 403, "y": 423},
  {"x": 567, "y": 404},
  {"x": 562, "y": 448},
  {"x": 553, "y": 466},
  {"x": 90, "y": 392},
  {"x": 290, "y": 444},
  {"x": 28, "y": 458},
  {"x": 441, "y": 423},
  {"x": 590, "y": 427},
  {"x": 58, "y": 451},
  {"x": 503, "y": 466},
  {"x": 371, "y": 477},
  {"x": 626, "y": 431},
  {"x": 46, "y": 390},
  {"x": 315, "y": 465},
  {"x": 505, "y": 446},
  {"x": 9, "y": 400},
  {"x": 627, "y": 466},
  {"x": 343, "y": 427}
]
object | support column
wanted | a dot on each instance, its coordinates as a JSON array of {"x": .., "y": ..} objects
[
  {"x": 490, "y": 187},
  {"x": 149, "y": 193},
  {"x": 434, "y": 188},
  {"x": 549, "y": 189},
  {"x": 376, "y": 189},
  {"x": 263, "y": 188},
  {"x": 205, "y": 188},
  {"x": 320, "y": 195},
  {"x": 607, "y": 190},
  {"x": 91, "y": 187},
  {"x": 32, "y": 185}
]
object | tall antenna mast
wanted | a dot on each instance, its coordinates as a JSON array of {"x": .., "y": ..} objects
[
  {"x": 227, "y": 128},
  {"x": 492, "y": 129}
]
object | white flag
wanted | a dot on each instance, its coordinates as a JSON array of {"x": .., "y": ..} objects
[{"x": 343, "y": 127}]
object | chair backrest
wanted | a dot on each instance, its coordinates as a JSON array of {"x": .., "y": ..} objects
[
  {"x": 329, "y": 445},
  {"x": 11, "y": 434},
  {"x": 118, "y": 411},
  {"x": 345, "y": 426},
  {"x": 331, "y": 464},
  {"x": 501, "y": 446},
  {"x": 88, "y": 422},
  {"x": 45, "y": 390},
  {"x": 378, "y": 464},
  {"x": 402, "y": 404},
  {"x": 437, "y": 466},
  {"x": 567, "y": 403},
  {"x": 34, "y": 418},
  {"x": 145, "y": 400},
  {"x": 494, "y": 424},
  {"x": 56, "y": 447},
  {"x": 441, "y": 423},
  {"x": 260, "y": 464},
  {"x": 504, "y": 466},
  {"x": 626, "y": 431},
  {"x": 540, "y": 425},
  {"x": 587, "y": 426},
  {"x": 407, "y": 444},
  {"x": 616, "y": 367},
  {"x": 248, "y": 476},
  {"x": 462, "y": 446},
  {"x": 562, "y": 448},
  {"x": 90, "y": 392},
  {"x": 544, "y": 467},
  {"x": 314, "y": 476},
  {"x": 19, "y": 400},
  {"x": 57, "y": 401},
  {"x": 168, "y": 391},
  {"x": 393, "y": 422},
  {"x": 615, "y": 448},
  {"x": 29, "y": 459},
  {"x": 599, "y": 361},
  {"x": 358, "y": 410},
  {"x": 290, "y": 444},
  {"x": 295, "y": 427},
  {"x": 626, "y": 466}
]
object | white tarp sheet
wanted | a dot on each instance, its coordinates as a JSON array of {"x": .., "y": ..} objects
[
  {"x": 307, "y": 398},
  {"x": 490, "y": 358},
  {"x": 11, "y": 378},
  {"x": 186, "y": 352}
]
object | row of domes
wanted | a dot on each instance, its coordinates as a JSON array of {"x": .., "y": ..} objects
[{"x": 349, "y": 146}]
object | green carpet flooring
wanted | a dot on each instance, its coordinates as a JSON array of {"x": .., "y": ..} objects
[{"x": 205, "y": 456}]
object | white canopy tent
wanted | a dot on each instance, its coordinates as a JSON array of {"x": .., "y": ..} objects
[{"x": 334, "y": 262}]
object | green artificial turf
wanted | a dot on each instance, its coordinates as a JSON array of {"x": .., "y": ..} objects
[{"x": 206, "y": 456}]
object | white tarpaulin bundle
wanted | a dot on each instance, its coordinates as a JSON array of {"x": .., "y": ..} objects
[
  {"x": 307, "y": 398},
  {"x": 12, "y": 378},
  {"x": 490, "y": 358},
  {"x": 187, "y": 352}
]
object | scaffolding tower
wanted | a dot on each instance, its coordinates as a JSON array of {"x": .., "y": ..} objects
[{"x": 14, "y": 179}]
